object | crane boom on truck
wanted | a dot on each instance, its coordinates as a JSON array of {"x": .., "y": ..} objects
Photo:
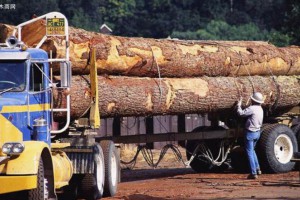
[{"x": 30, "y": 165}]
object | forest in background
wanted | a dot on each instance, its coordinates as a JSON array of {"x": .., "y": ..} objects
[{"x": 277, "y": 21}]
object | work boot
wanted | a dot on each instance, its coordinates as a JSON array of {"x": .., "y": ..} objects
[
  {"x": 258, "y": 172},
  {"x": 252, "y": 176}
]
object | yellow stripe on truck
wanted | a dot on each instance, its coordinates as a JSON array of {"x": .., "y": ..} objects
[
  {"x": 8, "y": 132},
  {"x": 17, "y": 183},
  {"x": 25, "y": 108}
]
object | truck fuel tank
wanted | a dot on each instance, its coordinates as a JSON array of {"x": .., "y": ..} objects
[{"x": 63, "y": 169}]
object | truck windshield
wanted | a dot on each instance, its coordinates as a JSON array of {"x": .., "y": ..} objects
[{"x": 12, "y": 75}]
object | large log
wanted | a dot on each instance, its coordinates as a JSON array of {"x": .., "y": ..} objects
[
  {"x": 171, "y": 58},
  {"x": 31, "y": 34},
  {"x": 168, "y": 58},
  {"x": 127, "y": 96},
  {"x": 5, "y": 31}
]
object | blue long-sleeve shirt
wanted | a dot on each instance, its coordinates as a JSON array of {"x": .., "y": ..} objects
[{"x": 255, "y": 116}]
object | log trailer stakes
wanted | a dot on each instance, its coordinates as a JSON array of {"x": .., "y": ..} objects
[{"x": 50, "y": 118}]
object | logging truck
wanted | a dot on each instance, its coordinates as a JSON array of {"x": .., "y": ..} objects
[
  {"x": 31, "y": 166},
  {"x": 49, "y": 133}
]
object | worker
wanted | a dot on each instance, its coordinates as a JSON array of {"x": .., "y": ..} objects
[{"x": 254, "y": 114}]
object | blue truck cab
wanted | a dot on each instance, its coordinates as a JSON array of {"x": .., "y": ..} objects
[
  {"x": 28, "y": 163},
  {"x": 25, "y": 94}
]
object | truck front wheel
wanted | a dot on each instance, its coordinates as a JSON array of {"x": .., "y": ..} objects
[
  {"x": 42, "y": 190},
  {"x": 276, "y": 147}
]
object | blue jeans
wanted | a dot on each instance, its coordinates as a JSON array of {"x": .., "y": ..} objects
[{"x": 251, "y": 139}]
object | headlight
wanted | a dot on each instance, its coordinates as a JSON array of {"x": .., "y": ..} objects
[
  {"x": 7, "y": 147},
  {"x": 13, "y": 148}
]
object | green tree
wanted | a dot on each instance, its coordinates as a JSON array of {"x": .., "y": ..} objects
[
  {"x": 220, "y": 30},
  {"x": 274, "y": 20},
  {"x": 118, "y": 14},
  {"x": 292, "y": 22}
]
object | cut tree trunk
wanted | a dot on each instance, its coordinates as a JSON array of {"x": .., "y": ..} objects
[
  {"x": 127, "y": 96},
  {"x": 5, "y": 31},
  {"x": 168, "y": 58},
  {"x": 31, "y": 34}
]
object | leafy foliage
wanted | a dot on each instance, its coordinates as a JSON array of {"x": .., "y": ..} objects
[
  {"x": 220, "y": 30},
  {"x": 273, "y": 20},
  {"x": 292, "y": 21}
]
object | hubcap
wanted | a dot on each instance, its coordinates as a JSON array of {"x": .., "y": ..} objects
[
  {"x": 114, "y": 170},
  {"x": 99, "y": 173},
  {"x": 283, "y": 148}
]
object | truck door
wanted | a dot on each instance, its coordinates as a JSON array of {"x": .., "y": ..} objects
[{"x": 39, "y": 102}]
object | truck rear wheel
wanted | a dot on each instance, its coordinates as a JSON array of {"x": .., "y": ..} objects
[
  {"x": 41, "y": 192},
  {"x": 239, "y": 161},
  {"x": 92, "y": 185},
  {"x": 112, "y": 167},
  {"x": 70, "y": 192},
  {"x": 276, "y": 147},
  {"x": 296, "y": 129}
]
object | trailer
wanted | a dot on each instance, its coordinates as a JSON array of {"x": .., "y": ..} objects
[{"x": 211, "y": 146}]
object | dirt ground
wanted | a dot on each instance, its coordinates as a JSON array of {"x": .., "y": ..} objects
[{"x": 171, "y": 180}]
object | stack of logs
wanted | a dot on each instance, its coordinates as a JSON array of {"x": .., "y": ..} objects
[{"x": 142, "y": 77}]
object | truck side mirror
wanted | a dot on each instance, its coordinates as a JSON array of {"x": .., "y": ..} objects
[{"x": 65, "y": 74}]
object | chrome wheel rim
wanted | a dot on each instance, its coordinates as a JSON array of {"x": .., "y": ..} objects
[
  {"x": 99, "y": 173},
  {"x": 114, "y": 170}
]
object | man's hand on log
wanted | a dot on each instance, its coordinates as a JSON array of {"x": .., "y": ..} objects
[{"x": 239, "y": 103}]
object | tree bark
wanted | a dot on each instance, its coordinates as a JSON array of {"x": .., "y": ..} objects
[
  {"x": 5, "y": 31},
  {"x": 31, "y": 34},
  {"x": 146, "y": 57},
  {"x": 127, "y": 96},
  {"x": 167, "y": 58}
]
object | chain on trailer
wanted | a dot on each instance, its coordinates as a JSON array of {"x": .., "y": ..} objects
[
  {"x": 149, "y": 157},
  {"x": 201, "y": 152},
  {"x": 221, "y": 157},
  {"x": 274, "y": 106}
]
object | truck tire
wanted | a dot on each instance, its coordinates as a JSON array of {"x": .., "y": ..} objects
[
  {"x": 203, "y": 164},
  {"x": 296, "y": 130},
  {"x": 70, "y": 192},
  {"x": 112, "y": 167},
  {"x": 41, "y": 192},
  {"x": 239, "y": 161},
  {"x": 92, "y": 185},
  {"x": 276, "y": 147},
  {"x": 197, "y": 165},
  {"x": 190, "y": 145}
]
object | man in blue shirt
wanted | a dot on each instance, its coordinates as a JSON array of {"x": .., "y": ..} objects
[{"x": 254, "y": 114}]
